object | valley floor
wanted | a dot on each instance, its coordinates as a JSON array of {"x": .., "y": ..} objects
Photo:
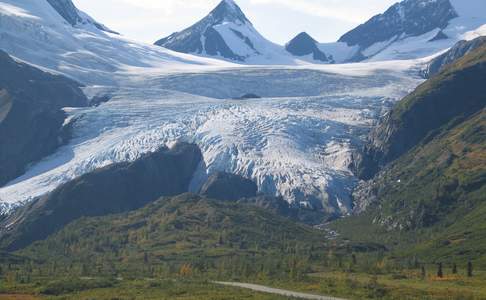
[{"x": 345, "y": 285}]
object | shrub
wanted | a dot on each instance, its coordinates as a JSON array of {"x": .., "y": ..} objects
[{"x": 70, "y": 285}]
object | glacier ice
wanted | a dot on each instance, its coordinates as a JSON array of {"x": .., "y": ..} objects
[
  {"x": 297, "y": 146},
  {"x": 296, "y": 141}
]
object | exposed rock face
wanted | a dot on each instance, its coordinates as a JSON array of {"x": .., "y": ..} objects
[
  {"x": 67, "y": 10},
  {"x": 224, "y": 186},
  {"x": 73, "y": 16},
  {"x": 455, "y": 94},
  {"x": 113, "y": 189},
  {"x": 31, "y": 118},
  {"x": 407, "y": 18},
  {"x": 459, "y": 50},
  {"x": 303, "y": 44}
]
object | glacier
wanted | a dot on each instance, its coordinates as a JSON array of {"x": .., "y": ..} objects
[{"x": 297, "y": 141}]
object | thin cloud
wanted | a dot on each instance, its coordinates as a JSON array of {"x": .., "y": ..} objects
[{"x": 355, "y": 11}]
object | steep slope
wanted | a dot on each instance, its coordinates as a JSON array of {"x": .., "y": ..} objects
[
  {"x": 453, "y": 95},
  {"x": 113, "y": 189},
  {"x": 228, "y": 34},
  {"x": 303, "y": 44},
  {"x": 440, "y": 173},
  {"x": 31, "y": 115},
  {"x": 416, "y": 28},
  {"x": 438, "y": 181},
  {"x": 429, "y": 202}
]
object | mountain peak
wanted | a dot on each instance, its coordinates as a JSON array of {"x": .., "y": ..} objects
[
  {"x": 303, "y": 36},
  {"x": 228, "y": 11},
  {"x": 224, "y": 33},
  {"x": 403, "y": 19},
  {"x": 71, "y": 14},
  {"x": 303, "y": 44}
]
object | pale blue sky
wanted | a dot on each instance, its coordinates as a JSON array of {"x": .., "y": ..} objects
[{"x": 277, "y": 20}]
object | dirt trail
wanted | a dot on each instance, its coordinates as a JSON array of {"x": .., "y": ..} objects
[{"x": 266, "y": 289}]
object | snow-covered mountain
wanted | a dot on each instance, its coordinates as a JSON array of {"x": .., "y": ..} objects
[
  {"x": 415, "y": 28},
  {"x": 407, "y": 30},
  {"x": 407, "y": 18},
  {"x": 227, "y": 33}
]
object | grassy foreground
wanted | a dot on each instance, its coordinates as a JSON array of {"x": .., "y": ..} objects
[
  {"x": 349, "y": 284},
  {"x": 156, "y": 289}
]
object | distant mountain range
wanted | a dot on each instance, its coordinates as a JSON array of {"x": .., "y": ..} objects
[{"x": 409, "y": 29}]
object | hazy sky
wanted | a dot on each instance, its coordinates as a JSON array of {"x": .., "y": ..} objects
[{"x": 277, "y": 20}]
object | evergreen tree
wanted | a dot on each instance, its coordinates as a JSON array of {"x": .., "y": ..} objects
[
  {"x": 440, "y": 274},
  {"x": 416, "y": 263}
]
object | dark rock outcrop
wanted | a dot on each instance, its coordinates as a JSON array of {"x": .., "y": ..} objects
[
  {"x": 407, "y": 18},
  {"x": 247, "y": 96},
  {"x": 114, "y": 189},
  {"x": 31, "y": 115},
  {"x": 459, "y": 50},
  {"x": 224, "y": 186},
  {"x": 303, "y": 44}
]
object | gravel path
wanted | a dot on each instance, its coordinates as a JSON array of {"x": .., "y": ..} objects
[{"x": 266, "y": 289}]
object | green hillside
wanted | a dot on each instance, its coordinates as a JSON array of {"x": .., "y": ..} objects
[
  {"x": 439, "y": 104},
  {"x": 187, "y": 230},
  {"x": 430, "y": 202}
]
